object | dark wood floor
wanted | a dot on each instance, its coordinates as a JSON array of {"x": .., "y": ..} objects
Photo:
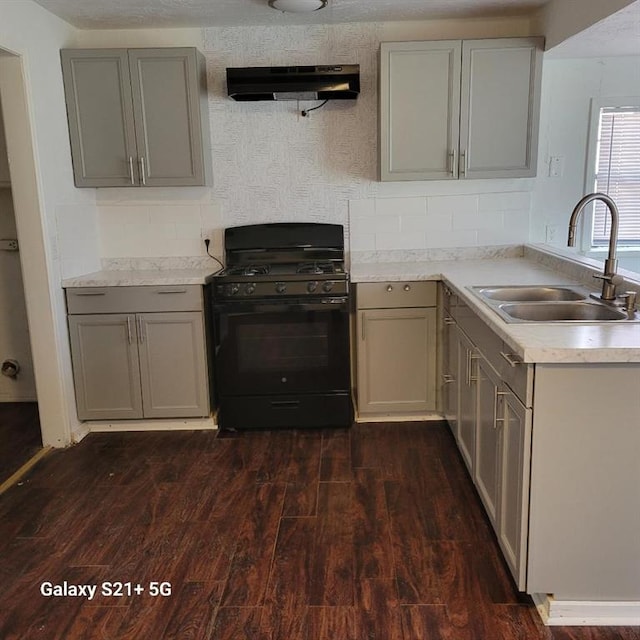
[
  {"x": 373, "y": 533},
  {"x": 19, "y": 435}
]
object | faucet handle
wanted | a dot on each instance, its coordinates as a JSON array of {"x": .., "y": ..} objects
[
  {"x": 629, "y": 298},
  {"x": 613, "y": 278}
]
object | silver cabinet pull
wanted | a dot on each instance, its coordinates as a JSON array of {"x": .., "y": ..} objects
[
  {"x": 407, "y": 287},
  {"x": 448, "y": 378},
  {"x": 389, "y": 288},
  {"x": 495, "y": 407},
  {"x": 362, "y": 326},
  {"x": 512, "y": 359},
  {"x": 90, "y": 293},
  {"x": 449, "y": 320},
  {"x": 140, "y": 330},
  {"x": 131, "y": 176},
  {"x": 463, "y": 162},
  {"x": 454, "y": 162},
  {"x": 129, "y": 334},
  {"x": 165, "y": 291},
  {"x": 143, "y": 176}
]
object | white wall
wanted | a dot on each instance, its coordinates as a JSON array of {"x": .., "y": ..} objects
[
  {"x": 44, "y": 198},
  {"x": 14, "y": 329},
  {"x": 567, "y": 88}
]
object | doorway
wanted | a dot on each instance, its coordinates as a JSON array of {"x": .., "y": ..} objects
[{"x": 20, "y": 434}]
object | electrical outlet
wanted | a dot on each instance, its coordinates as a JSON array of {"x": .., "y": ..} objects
[{"x": 556, "y": 166}]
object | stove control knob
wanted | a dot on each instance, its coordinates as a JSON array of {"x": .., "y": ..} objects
[
  {"x": 250, "y": 288},
  {"x": 281, "y": 287},
  {"x": 327, "y": 286},
  {"x": 233, "y": 289},
  {"x": 312, "y": 286}
]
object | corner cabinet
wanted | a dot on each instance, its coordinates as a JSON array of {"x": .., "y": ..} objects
[
  {"x": 454, "y": 109},
  {"x": 138, "y": 352},
  {"x": 396, "y": 347},
  {"x": 137, "y": 117}
]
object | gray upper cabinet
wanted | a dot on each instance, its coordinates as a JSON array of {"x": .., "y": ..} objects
[
  {"x": 137, "y": 117},
  {"x": 455, "y": 109}
]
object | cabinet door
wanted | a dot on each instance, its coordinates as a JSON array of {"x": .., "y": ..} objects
[
  {"x": 173, "y": 364},
  {"x": 500, "y": 107},
  {"x": 396, "y": 360},
  {"x": 99, "y": 109},
  {"x": 419, "y": 109},
  {"x": 166, "y": 101},
  {"x": 487, "y": 452},
  {"x": 450, "y": 372},
  {"x": 467, "y": 400},
  {"x": 514, "y": 482},
  {"x": 104, "y": 353}
]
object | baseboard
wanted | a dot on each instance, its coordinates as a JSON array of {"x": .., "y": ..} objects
[
  {"x": 169, "y": 424},
  {"x": 399, "y": 417},
  {"x": 586, "y": 613}
]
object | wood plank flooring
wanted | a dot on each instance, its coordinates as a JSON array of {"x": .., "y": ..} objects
[
  {"x": 372, "y": 533},
  {"x": 19, "y": 435}
]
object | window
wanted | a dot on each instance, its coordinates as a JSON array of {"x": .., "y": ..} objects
[{"x": 614, "y": 163}]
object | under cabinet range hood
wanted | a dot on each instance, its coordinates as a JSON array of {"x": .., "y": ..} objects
[{"x": 328, "y": 82}]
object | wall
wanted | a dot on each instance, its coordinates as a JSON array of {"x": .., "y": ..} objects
[
  {"x": 567, "y": 88},
  {"x": 272, "y": 164},
  {"x": 14, "y": 330},
  {"x": 44, "y": 197}
]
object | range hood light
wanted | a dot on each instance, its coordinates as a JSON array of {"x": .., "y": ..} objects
[{"x": 297, "y": 6}]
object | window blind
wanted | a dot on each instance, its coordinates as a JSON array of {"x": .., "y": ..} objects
[{"x": 618, "y": 175}]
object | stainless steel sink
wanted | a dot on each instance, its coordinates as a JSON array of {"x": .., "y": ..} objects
[
  {"x": 550, "y": 303},
  {"x": 532, "y": 293},
  {"x": 562, "y": 311}
]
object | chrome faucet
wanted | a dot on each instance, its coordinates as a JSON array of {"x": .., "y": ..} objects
[{"x": 609, "y": 277}]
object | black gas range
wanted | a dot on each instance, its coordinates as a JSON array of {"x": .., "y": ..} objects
[{"x": 279, "y": 316}]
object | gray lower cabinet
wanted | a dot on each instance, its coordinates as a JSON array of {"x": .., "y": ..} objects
[
  {"x": 137, "y": 117},
  {"x": 396, "y": 347},
  {"x": 459, "y": 109},
  {"x": 494, "y": 430},
  {"x": 137, "y": 365}
]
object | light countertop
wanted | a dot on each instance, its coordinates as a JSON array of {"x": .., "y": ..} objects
[
  {"x": 140, "y": 277},
  {"x": 541, "y": 343}
]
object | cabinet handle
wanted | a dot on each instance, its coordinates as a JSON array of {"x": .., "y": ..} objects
[
  {"x": 454, "y": 161},
  {"x": 449, "y": 320},
  {"x": 143, "y": 176},
  {"x": 463, "y": 162},
  {"x": 512, "y": 359},
  {"x": 470, "y": 358},
  {"x": 495, "y": 408},
  {"x": 90, "y": 293},
  {"x": 129, "y": 334},
  {"x": 140, "y": 330},
  {"x": 133, "y": 180},
  {"x": 389, "y": 288},
  {"x": 165, "y": 291},
  {"x": 362, "y": 325},
  {"x": 407, "y": 287},
  {"x": 448, "y": 378}
]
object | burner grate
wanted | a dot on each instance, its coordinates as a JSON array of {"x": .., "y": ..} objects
[{"x": 316, "y": 268}]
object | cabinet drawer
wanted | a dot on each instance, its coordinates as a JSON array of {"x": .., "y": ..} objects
[
  {"x": 517, "y": 374},
  {"x": 134, "y": 299},
  {"x": 394, "y": 295}
]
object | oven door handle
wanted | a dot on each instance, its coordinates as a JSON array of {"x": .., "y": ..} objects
[{"x": 282, "y": 306}]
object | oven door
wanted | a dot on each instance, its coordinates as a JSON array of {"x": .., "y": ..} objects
[{"x": 282, "y": 347}]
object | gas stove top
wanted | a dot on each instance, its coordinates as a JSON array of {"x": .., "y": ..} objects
[{"x": 282, "y": 260}]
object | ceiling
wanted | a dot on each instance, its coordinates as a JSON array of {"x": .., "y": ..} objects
[
  {"x": 619, "y": 34},
  {"x": 135, "y": 14}
]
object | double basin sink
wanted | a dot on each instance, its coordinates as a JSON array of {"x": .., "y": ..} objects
[{"x": 561, "y": 303}]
